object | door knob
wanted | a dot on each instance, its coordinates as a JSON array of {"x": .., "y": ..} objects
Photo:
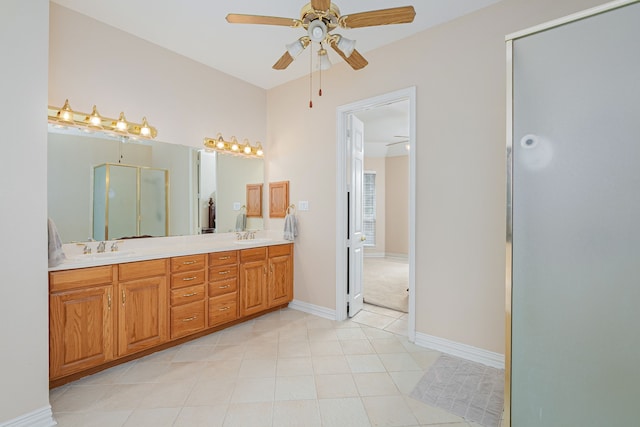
[{"x": 363, "y": 238}]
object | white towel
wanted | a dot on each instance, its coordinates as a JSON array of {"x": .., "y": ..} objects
[
  {"x": 56, "y": 254},
  {"x": 290, "y": 227},
  {"x": 241, "y": 222}
]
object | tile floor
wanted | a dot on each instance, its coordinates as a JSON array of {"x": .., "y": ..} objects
[{"x": 286, "y": 368}]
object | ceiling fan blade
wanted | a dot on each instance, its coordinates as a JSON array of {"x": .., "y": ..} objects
[
  {"x": 356, "y": 60},
  {"x": 236, "y": 18},
  {"x": 396, "y": 15},
  {"x": 320, "y": 4},
  {"x": 283, "y": 62}
]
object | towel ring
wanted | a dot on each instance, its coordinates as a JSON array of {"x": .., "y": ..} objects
[{"x": 291, "y": 208}]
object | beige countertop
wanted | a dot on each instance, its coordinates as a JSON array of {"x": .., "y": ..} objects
[{"x": 132, "y": 250}]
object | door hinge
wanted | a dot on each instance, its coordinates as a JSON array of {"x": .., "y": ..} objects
[{"x": 347, "y": 309}]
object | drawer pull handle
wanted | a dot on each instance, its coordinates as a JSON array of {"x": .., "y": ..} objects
[
  {"x": 223, "y": 309},
  {"x": 224, "y": 272},
  {"x": 225, "y": 287},
  {"x": 224, "y": 257},
  {"x": 189, "y": 319},
  {"x": 188, "y": 279},
  {"x": 188, "y": 262},
  {"x": 190, "y": 295}
]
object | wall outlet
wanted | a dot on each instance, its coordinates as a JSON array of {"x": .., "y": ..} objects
[
  {"x": 236, "y": 206},
  {"x": 303, "y": 205}
]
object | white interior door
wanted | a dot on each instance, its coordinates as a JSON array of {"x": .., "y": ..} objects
[{"x": 355, "y": 145}]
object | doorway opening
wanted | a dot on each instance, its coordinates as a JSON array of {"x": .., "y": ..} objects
[{"x": 353, "y": 182}]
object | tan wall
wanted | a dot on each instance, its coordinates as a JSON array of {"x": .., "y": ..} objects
[
  {"x": 459, "y": 72},
  {"x": 377, "y": 165},
  {"x": 184, "y": 99},
  {"x": 24, "y": 368},
  {"x": 397, "y": 206}
]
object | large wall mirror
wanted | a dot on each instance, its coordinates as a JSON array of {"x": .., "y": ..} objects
[{"x": 194, "y": 177}]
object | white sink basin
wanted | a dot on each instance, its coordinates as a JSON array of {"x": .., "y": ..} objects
[
  {"x": 102, "y": 255},
  {"x": 251, "y": 241}
]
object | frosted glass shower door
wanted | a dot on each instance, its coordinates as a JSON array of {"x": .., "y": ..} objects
[
  {"x": 575, "y": 354},
  {"x": 153, "y": 202}
]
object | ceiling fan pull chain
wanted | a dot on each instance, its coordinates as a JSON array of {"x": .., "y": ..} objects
[{"x": 310, "y": 78}]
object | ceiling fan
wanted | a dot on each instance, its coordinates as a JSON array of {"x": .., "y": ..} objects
[{"x": 319, "y": 18}]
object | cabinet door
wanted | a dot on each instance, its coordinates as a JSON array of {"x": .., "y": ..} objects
[
  {"x": 253, "y": 287},
  {"x": 280, "y": 280},
  {"x": 142, "y": 319},
  {"x": 81, "y": 330}
]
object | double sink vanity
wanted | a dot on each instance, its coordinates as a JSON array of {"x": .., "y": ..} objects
[{"x": 110, "y": 307}]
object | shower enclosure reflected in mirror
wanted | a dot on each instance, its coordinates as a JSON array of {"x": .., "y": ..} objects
[{"x": 72, "y": 155}]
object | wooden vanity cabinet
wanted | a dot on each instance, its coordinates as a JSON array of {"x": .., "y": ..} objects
[
  {"x": 280, "y": 283},
  {"x": 223, "y": 287},
  {"x": 142, "y": 299},
  {"x": 253, "y": 281},
  {"x": 81, "y": 319},
  {"x": 187, "y": 297}
]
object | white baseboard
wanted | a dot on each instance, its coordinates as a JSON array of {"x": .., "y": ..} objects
[
  {"x": 313, "y": 309},
  {"x": 474, "y": 354},
  {"x": 42, "y": 417}
]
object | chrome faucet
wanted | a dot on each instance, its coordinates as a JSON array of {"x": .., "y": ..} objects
[
  {"x": 101, "y": 247},
  {"x": 114, "y": 246},
  {"x": 86, "y": 250}
]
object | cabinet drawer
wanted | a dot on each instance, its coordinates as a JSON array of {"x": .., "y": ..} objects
[
  {"x": 140, "y": 269},
  {"x": 73, "y": 279},
  {"x": 253, "y": 254},
  {"x": 187, "y": 263},
  {"x": 280, "y": 250},
  {"x": 187, "y": 295},
  {"x": 223, "y": 309},
  {"x": 223, "y": 258},
  {"x": 186, "y": 319},
  {"x": 221, "y": 287},
  {"x": 188, "y": 278},
  {"x": 223, "y": 273}
]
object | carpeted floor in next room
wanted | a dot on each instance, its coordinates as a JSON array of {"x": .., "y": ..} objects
[{"x": 385, "y": 283}]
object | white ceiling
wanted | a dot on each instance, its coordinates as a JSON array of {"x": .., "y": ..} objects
[{"x": 198, "y": 30}]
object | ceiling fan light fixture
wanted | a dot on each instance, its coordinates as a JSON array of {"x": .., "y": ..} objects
[
  {"x": 323, "y": 59},
  {"x": 347, "y": 46},
  {"x": 295, "y": 48},
  {"x": 317, "y": 30}
]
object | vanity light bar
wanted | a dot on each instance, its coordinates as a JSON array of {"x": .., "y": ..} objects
[
  {"x": 65, "y": 116},
  {"x": 234, "y": 147}
]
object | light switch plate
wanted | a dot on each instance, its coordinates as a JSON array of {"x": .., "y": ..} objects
[{"x": 303, "y": 205}]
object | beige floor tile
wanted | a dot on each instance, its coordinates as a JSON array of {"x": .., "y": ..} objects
[
  {"x": 399, "y": 327},
  {"x": 168, "y": 395},
  {"x": 335, "y": 385},
  {"x": 330, "y": 365},
  {"x": 158, "y": 417},
  {"x": 257, "y": 368},
  {"x": 343, "y": 412},
  {"x": 296, "y": 413},
  {"x": 293, "y": 333},
  {"x": 187, "y": 372},
  {"x": 375, "y": 384},
  {"x": 193, "y": 353},
  {"x": 428, "y": 415},
  {"x": 374, "y": 320},
  {"x": 350, "y": 334},
  {"x": 390, "y": 411},
  {"x": 261, "y": 349},
  {"x": 221, "y": 369},
  {"x": 295, "y": 388},
  {"x": 112, "y": 375},
  {"x": 254, "y": 390},
  {"x": 383, "y": 310},
  {"x": 227, "y": 351},
  {"x": 376, "y": 333},
  {"x": 357, "y": 347},
  {"x": 294, "y": 366},
  {"x": 359, "y": 363},
  {"x": 406, "y": 381},
  {"x": 123, "y": 396},
  {"x": 201, "y": 416},
  {"x": 395, "y": 362},
  {"x": 426, "y": 358},
  {"x": 249, "y": 414},
  {"x": 211, "y": 392},
  {"x": 325, "y": 348},
  {"x": 80, "y": 398},
  {"x": 388, "y": 345},
  {"x": 322, "y": 334},
  {"x": 294, "y": 349},
  {"x": 143, "y": 372},
  {"x": 93, "y": 419}
]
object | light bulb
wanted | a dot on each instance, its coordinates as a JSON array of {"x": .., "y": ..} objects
[
  {"x": 66, "y": 113},
  {"x": 94, "y": 118},
  {"x": 145, "y": 130},
  {"x": 259, "y": 151},
  {"x": 121, "y": 125},
  {"x": 317, "y": 30},
  {"x": 234, "y": 144},
  {"x": 247, "y": 147}
]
